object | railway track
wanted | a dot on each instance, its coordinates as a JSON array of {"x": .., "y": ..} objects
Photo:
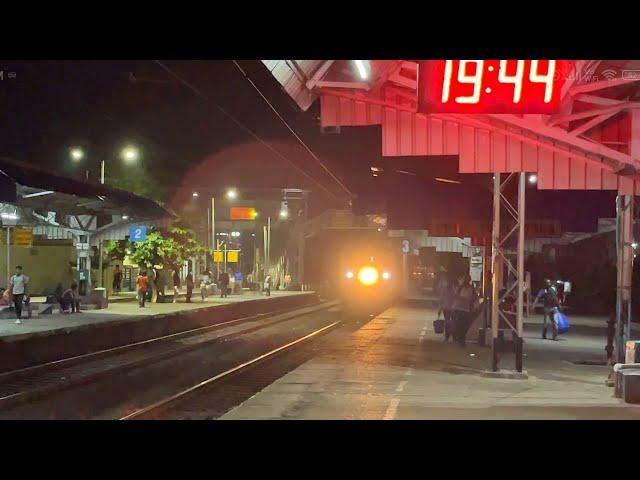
[
  {"x": 157, "y": 409},
  {"x": 30, "y": 384}
]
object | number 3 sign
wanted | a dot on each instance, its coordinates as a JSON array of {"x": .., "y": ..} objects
[{"x": 138, "y": 233}]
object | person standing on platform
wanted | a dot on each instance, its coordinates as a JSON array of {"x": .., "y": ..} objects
[
  {"x": 223, "y": 283},
  {"x": 176, "y": 284},
  {"x": 190, "y": 285},
  {"x": 70, "y": 300},
  {"x": 117, "y": 280},
  {"x": 549, "y": 297},
  {"x": 267, "y": 285},
  {"x": 142, "y": 284},
  {"x": 463, "y": 306},
  {"x": 204, "y": 282},
  {"x": 447, "y": 296},
  {"x": 18, "y": 284}
]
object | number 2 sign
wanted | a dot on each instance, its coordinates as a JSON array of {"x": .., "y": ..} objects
[{"x": 138, "y": 233}]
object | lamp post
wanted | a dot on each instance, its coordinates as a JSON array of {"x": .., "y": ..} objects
[
  {"x": 128, "y": 154},
  {"x": 9, "y": 220}
]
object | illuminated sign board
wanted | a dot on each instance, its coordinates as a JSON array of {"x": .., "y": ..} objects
[
  {"x": 243, "y": 213},
  {"x": 491, "y": 86},
  {"x": 232, "y": 256},
  {"x": 480, "y": 230}
]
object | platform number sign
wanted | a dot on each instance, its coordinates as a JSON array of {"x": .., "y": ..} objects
[
  {"x": 138, "y": 233},
  {"x": 406, "y": 246}
]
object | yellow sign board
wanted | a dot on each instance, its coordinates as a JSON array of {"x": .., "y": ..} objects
[
  {"x": 23, "y": 237},
  {"x": 232, "y": 256},
  {"x": 20, "y": 237}
]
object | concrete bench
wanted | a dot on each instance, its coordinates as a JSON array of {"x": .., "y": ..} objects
[
  {"x": 631, "y": 385},
  {"x": 618, "y": 370}
]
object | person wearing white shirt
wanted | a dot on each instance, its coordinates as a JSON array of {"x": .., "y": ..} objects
[{"x": 18, "y": 283}]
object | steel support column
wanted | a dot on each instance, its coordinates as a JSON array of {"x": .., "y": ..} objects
[
  {"x": 504, "y": 248},
  {"x": 624, "y": 260},
  {"x": 495, "y": 272},
  {"x": 520, "y": 269}
]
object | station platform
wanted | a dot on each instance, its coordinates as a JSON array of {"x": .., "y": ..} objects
[
  {"x": 396, "y": 367},
  {"x": 49, "y": 337}
]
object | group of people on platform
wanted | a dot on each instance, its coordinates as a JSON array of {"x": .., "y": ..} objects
[
  {"x": 17, "y": 294},
  {"x": 69, "y": 299},
  {"x": 206, "y": 280},
  {"x": 458, "y": 302}
]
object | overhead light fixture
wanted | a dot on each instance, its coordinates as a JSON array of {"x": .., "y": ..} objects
[
  {"x": 533, "y": 178},
  {"x": 362, "y": 70},
  {"x": 125, "y": 217},
  {"x": 447, "y": 180},
  {"x": 37, "y": 194},
  {"x": 9, "y": 219},
  {"x": 404, "y": 172},
  {"x": 195, "y": 194}
]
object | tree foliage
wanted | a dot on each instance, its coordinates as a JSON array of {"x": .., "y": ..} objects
[
  {"x": 115, "y": 249},
  {"x": 172, "y": 247}
]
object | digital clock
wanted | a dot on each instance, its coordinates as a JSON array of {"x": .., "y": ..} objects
[{"x": 490, "y": 86}]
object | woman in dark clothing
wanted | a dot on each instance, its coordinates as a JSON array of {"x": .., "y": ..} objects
[
  {"x": 463, "y": 306},
  {"x": 176, "y": 284},
  {"x": 189, "y": 282},
  {"x": 447, "y": 297}
]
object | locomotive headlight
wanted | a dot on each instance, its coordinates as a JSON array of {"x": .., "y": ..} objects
[
  {"x": 368, "y": 276},
  {"x": 349, "y": 274},
  {"x": 386, "y": 275}
]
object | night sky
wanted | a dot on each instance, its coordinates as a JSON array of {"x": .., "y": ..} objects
[{"x": 188, "y": 144}]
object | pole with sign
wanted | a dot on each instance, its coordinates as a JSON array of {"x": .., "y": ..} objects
[
  {"x": 8, "y": 241},
  {"x": 406, "y": 248}
]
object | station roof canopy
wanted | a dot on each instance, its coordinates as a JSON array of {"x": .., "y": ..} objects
[
  {"x": 27, "y": 186},
  {"x": 591, "y": 143}
]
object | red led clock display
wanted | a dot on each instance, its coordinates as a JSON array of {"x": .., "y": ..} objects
[{"x": 490, "y": 86}]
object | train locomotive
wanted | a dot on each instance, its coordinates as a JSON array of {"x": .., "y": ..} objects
[{"x": 367, "y": 279}]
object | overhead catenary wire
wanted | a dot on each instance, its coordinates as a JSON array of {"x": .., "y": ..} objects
[
  {"x": 315, "y": 157},
  {"x": 245, "y": 128}
]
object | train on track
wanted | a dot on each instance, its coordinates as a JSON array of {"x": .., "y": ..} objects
[
  {"x": 367, "y": 280},
  {"x": 356, "y": 265}
]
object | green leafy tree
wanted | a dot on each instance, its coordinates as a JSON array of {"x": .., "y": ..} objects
[
  {"x": 152, "y": 251},
  {"x": 184, "y": 245},
  {"x": 115, "y": 249},
  {"x": 170, "y": 248}
]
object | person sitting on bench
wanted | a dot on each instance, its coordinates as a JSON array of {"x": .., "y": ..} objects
[{"x": 70, "y": 302}]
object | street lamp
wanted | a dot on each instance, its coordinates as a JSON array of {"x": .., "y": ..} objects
[
  {"x": 533, "y": 178},
  {"x": 76, "y": 154},
  {"x": 195, "y": 194},
  {"x": 130, "y": 154},
  {"x": 284, "y": 214},
  {"x": 232, "y": 194}
]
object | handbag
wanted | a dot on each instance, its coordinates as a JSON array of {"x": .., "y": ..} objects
[
  {"x": 561, "y": 321},
  {"x": 438, "y": 326}
]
